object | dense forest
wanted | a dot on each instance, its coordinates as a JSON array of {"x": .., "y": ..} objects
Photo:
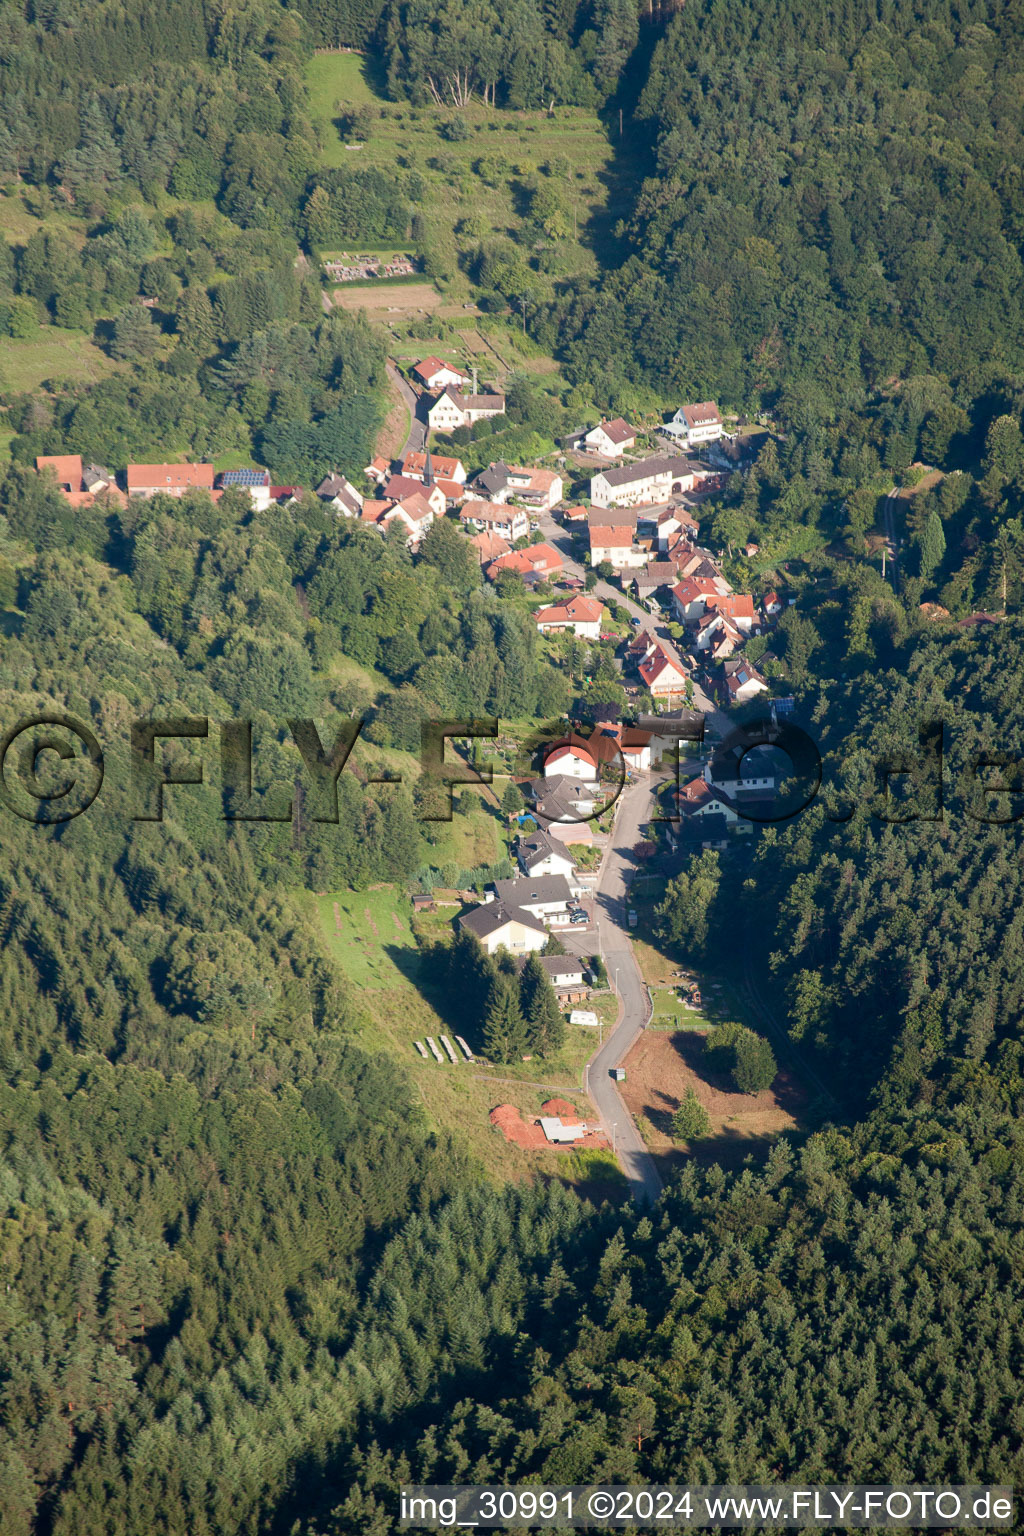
[
  {"x": 836, "y": 202},
  {"x": 247, "y": 1289}
]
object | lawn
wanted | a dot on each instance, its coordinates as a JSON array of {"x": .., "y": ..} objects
[
  {"x": 369, "y": 937},
  {"x": 52, "y": 353},
  {"x": 511, "y": 145}
]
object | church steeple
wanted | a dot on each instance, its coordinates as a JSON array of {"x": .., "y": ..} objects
[{"x": 428, "y": 469}]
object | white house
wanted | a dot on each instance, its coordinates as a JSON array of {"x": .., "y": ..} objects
[
  {"x": 498, "y": 927},
  {"x": 743, "y": 681},
  {"x": 255, "y": 481},
  {"x": 398, "y": 487},
  {"x": 434, "y": 373},
  {"x": 571, "y": 759},
  {"x": 699, "y": 799},
  {"x": 690, "y": 597},
  {"x": 540, "y": 489},
  {"x": 650, "y": 480},
  {"x": 583, "y": 615},
  {"x": 696, "y": 424},
  {"x": 414, "y": 513},
  {"x": 340, "y": 494},
  {"x": 546, "y": 897},
  {"x": 510, "y": 523},
  {"x": 717, "y": 635},
  {"x": 634, "y": 745},
  {"x": 453, "y": 409},
  {"x": 565, "y": 972},
  {"x": 746, "y": 774},
  {"x": 539, "y": 855},
  {"x": 662, "y": 675},
  {"x": 616, "y": 546},
  {"x": 609, "y": 438}
]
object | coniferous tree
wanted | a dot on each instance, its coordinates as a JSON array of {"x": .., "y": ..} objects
[{"x": 505, "y": 1034}]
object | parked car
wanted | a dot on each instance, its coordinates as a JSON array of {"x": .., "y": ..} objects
[
  {"x": 637, "y": 623},
  {"x": 579, "y": 917},
  {"x": 632, "y": 918}
]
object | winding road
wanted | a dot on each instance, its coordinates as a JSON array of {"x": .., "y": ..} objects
[{"x": 634, "y": 807}]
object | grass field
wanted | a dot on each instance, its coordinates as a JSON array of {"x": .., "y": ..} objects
[
  {"x": 369, "y": 937},
  {"x": 52, "y": 354},
  {"x": 510, "y": 145}
]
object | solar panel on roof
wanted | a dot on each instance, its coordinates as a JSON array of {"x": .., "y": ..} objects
[{"x": 244, "y": 477}]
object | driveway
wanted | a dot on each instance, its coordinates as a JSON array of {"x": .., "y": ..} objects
[
  {"x": 417, "y": 439},
  {"x": 635, "y": 807}
]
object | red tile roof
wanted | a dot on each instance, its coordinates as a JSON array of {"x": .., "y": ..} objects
[
  {"x": 611, "y": 538},
  {"x": 169, "y": 477},
  {"x": 574, "y": 610},
  {"x": 66, "y": 466}
]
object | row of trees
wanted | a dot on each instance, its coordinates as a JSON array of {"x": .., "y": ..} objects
[{"x": 508, "y": 1010}]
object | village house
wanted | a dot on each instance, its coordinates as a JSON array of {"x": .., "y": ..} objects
[
  {"x": 582, "y": 615},
  {"x": 742, "y": 681},
  {"x": 616, "y": 546},
  {"x": 635, "y": 747},
  {"x": 656, "y": 575},
  {"x": 547, "y": 897},
  {"x": 717, "y": 635},
  {"x": 650, "y": 480},
  {"x": 511, "y": 522},
  {"x": 540, "y": 489},
  {"x": 696, "y": 424},
  {"x": 538, "y": 562},
  {"x": 145, "y": 480},
  {"x": 79, "y": 484},
  {"x": 434, "y": 373},
  {"x": 564, "y": 805},
  {"x": 771, "y": 605},
  {"x": 662, "y": 675},
  {"x": 575, "y": 516},
  {"x": 429, "y": 466},
  {"x": 414, "y": 513},
  {"x": 737, "y": 774},
  {"x": 566, "y": 974},
  {"x": 609, "y": 438},
  {"x": 255, "y": 481},
  {"x": 401, "y": 486},
  {"x": 541, "y": 855},
  {"x": 378, "y": 469},
  {"x": 489, "y": 546},
  {"x": 737, "y": 607},
  {"x": 698, "y": 799},
  {"x": 573, "y": 758},
  {"x": 453, "y": 409},
  {"x": 498, "y": 927},
  {"x": 339, "y": 493},
  {"x": 689, "y": 597}
]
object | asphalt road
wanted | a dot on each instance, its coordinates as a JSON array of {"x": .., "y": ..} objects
[
  {"x": 417, "y": 439},
  {"x": 558, "y": 536},
  {"x": 635, "y": 807}
]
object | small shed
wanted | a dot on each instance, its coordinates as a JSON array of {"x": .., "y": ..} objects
[
  {"x": 583, "y": 1016},
  {"x": 619, "y": 1074},
  {"x": 557, "y": 1130}
]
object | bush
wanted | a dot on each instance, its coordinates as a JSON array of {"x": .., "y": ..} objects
[
  {"x": 690, "y": 1121},
  {"x": 754, "y": 1065}
]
